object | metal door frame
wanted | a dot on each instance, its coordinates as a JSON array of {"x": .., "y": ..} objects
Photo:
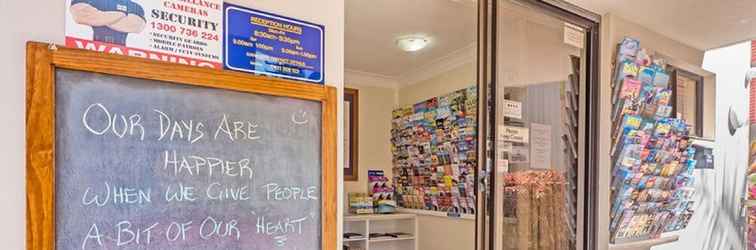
[{"x": 486, "y": 81}]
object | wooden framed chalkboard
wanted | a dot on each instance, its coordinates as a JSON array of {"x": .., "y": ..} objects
[{"x": 127, "y": 153}]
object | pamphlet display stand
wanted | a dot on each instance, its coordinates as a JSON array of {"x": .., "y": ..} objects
[{"x": 652, "y": 156}]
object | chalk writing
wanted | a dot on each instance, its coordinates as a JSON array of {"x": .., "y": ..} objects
[
  {"x": 279, "y": 193},
  {"x": 195, "y": 165},
  {"x": 283, "y": 226},
  {"x": 97, "y": 113},
  {"x": 211, "y": 227},
  {"x": 181, "y": 193},
  {"x": 115, "y": 195},
  {"x": 188, "y": 130},
  {"x": 236, "y": 130},
  {"x": 171, "y": 168},
  {"x": 217, "y": 191}
]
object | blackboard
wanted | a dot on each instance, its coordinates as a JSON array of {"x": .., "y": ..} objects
[{"x": 145, "y": 164}]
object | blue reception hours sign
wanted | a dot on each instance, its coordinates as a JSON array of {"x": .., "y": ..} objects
[{"x": 263, "y": 43}]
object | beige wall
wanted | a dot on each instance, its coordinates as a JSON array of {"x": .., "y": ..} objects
[
  {"x": 442, "y": 233},
  {"x": 710, "y": 107},
  {"x": 45, "y": 24},
  {"x": 375, "y": 106},
  {"x": 531, "y": 49},
  {"x": 458, "y": 78},
  {"x": 613, "y": 29}
]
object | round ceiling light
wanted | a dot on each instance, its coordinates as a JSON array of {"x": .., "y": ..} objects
[{"x": 412, "y": 43}]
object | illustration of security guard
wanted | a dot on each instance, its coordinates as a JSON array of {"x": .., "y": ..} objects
[{"x": 111, "y": 20}]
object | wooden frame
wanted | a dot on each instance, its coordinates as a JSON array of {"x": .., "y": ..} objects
[
  {"x": 41, "y": 62},
  {"x": 677, "y": 72},
  {"x": 353, "y": 97}
]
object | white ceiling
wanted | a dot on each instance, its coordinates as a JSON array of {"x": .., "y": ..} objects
[
  {"x": 703, "y": 24},
  {"x": 372, "y": 27}
]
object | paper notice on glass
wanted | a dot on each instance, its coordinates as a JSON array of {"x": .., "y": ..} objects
[
  {"x": 540, "y": 146},
  {"x": 502, "y": 166},
  {"x": 574, "y": 35},
  {"x": 519, "y": 155},
  {"x": 512, "y": 109},
  {"x": 504, "y": 146},
  {"x": 503, "y": 151},
  {"x": 513, "y": 134}
]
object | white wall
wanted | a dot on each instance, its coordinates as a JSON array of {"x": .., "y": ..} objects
[
  {"x": 42, "y": 20},
  {"x": 12, "y": 66},
  {"x": 717, "y": 223},
  {"x": 613, "y": 29}
]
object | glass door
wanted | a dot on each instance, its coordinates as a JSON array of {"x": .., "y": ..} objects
[{"x": 540, "y": 75}]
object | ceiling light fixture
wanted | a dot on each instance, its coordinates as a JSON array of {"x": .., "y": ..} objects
[{"x": 412, "y": 43}]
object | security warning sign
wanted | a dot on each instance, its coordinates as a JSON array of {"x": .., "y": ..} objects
[{"x": 178, "y": 31}]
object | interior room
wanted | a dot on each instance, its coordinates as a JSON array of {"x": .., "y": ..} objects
[
  {"x": 540, "y": 121},
  {"x": 428, "y": 50}
]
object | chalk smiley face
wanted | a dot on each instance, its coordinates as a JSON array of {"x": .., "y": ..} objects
[{"x": 299, "y": 118}]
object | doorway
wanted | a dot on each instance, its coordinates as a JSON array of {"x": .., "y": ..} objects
[
  {"x": 410, "y": 78},
  {"x": 449, "y": 123},
  {"x": 538, "y": 69}
]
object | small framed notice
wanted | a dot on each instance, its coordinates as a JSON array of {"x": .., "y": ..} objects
[
  {"x": 264, "y": 43},
  {"x": 514, "y": 134},
  {"x": 574, "y": 35},
  {"x": 512, "y": 109}
]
